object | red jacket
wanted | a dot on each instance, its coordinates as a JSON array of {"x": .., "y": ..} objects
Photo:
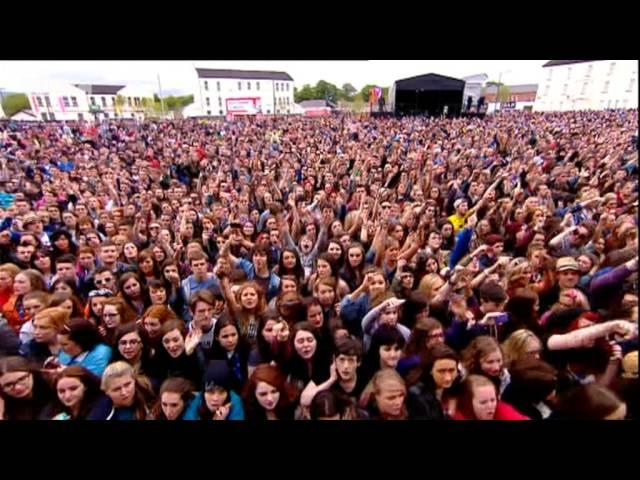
[{"x": 504, "y": 411}]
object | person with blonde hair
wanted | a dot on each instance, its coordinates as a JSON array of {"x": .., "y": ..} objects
[
  {"x": 389, "y": 398},
  {"x": 45, "y": 346},
  {"x": 130, "y": 395},
  {"x": 521, "y": 344}
]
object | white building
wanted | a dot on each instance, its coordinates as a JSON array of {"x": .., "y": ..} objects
[
  {"x": 63, "y": 101},
  {"x": 588, "y": 85},
  {"x": 242, "y": 92},
  {"x": 473, "y": 85}
]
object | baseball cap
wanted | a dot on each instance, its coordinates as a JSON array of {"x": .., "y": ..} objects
[{"x": 567, "y": 263}]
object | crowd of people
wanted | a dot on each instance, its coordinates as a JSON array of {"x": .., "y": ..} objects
[{"x": 348, "y": 267}]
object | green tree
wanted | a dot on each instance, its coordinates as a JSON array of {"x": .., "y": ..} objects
[
  {"x": 120, "y": 103},
  {"x": 504, "y": 93},
  {"x": 307, "y": 92},
  {"x": 325, "y": 90},
  {"x": 349, "y": 91},
  {"x": 13, "y": 103}
]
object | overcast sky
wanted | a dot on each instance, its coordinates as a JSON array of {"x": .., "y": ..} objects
[{"x": 177, "y": 77}]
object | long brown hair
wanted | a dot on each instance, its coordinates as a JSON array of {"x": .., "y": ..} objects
[
  {"x": 92, "y": 390},
  {"x": 273, "y": 376},
  {"x": 179, "y": 385}
]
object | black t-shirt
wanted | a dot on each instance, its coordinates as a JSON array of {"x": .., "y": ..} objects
[{"x": 361, "y": 383}]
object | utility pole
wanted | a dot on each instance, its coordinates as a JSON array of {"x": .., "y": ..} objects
[{"x": 161, "y": 99}]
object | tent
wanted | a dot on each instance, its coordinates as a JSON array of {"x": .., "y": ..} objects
[{"x": 429, "y": 94}]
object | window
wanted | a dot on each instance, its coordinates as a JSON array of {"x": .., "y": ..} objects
[
  {"x": 115, "y": 115},
  {"x": 206, "y": 86},
  {"x": 80, "y": 116},
  {"x": 208, "y": 102},
  {"x": 113, "y": 101},
  {"x": 218, "y": 85},
  {"x": 220, "y": 111},
  {"x": 65, "y": 101},
  {"x": 209, "y": 112},
  {"x": 44, "y": 115},
  {"x": 136, "y": 100},
  {"x": 92, "y": 100},
  {"x": 248, "y": 85},
  {"x": 589, "y": 70},
  {"x": 584, "y": 88},
  {"x": 258, "y": 86},
  {"x": 288, "y": 87},
  {"x": 277, "y": 86},
  {"x": 104, "y": 101},
  {"x": 609, "y": 104},
  {"x": 40, "y": 104},
  {"x": 606, "y": 87},
  {"x": 568, "y": 73},
  {"x": 106, "y": 115},
  {"x": 129, "y": 101},
  {"x": 612, "y": 67},
  {"x": 47, "y": 101},
  {"x": 239, "y": 85},
  {"x": 219, "y": 101},
  {"x": 74, "y": 101},
  {"x": 52, "y": 116}
]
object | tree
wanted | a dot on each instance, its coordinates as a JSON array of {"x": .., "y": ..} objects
[
  {"x": 15, "y": 102},
  {"x": 120, "y": 103},
  {"x": 504, "y": 93},
  {"x": 327, "y": 91},
  {"x": 307, "y": 92},
  {"x": 349, "y": 91}
]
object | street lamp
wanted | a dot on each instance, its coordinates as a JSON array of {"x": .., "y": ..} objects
[{"x": 495, "y": 109}]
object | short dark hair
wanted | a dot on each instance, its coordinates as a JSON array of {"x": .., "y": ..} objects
[
  {"x": 260, "y": 250},
  {"x": 66, "y": 258},
  {"x": 492, "y": 292},
  {"x": 349, "y": 346}
]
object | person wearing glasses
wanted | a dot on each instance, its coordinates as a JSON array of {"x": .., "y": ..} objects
[
  {"x": 132, "y": 347},
  {"x": 23, "y": 390}
]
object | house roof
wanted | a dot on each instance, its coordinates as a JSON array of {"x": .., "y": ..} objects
[
  {"x": 243, "y": 74},
  {"x": 430, "y": 81},
  {"x": 25, "y": 111},
  {"x": 556, "y": 63},
  {"x": 516, "y": 88},
  {"x": 100, "y": 89}
]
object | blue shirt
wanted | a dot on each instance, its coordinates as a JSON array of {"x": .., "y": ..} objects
[{"x": 95, "y": 360}]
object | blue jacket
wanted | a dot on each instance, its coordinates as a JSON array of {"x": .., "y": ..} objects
[
  {"x": 353, "y": 311},
  {"x": 274, "y": 280},
  {"x": 95, "y": 361},
  {"x": 236, "y": 412}
]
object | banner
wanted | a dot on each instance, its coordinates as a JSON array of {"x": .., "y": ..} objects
[{"x": 244, "y": 106}]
